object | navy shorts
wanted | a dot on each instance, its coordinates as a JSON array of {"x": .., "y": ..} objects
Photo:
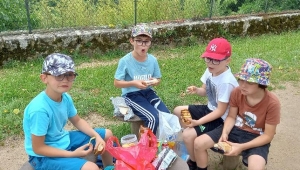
[
  {"x": 77, "y": 139},
  {"x": 199, "y": 111},
  {"x": 238, "y": 135}
]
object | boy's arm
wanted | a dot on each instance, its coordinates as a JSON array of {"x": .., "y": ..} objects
[
  {"x": 261, "y": 140},
  {"x": 83, "y": 126},
  {"x": 40, "y": 148},
  {"x": 123, "y": 84},
  {"x": 229, "y": 121},
  {"x": 217, "y": 113},
  {"x": 201, "y": 91}
]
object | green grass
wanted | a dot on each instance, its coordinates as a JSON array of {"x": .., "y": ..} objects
[{"x": 180, "y": 68}]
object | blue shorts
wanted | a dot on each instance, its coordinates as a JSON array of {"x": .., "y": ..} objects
[
  {"x": 199, "y": 111},
  {"x": 238, "y": 135},
  {"x": 77, "y": 139}
]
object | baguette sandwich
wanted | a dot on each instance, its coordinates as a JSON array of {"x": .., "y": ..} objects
[
  {"x": 185, "y": 114},
  {"x": 223, "y": 147}
]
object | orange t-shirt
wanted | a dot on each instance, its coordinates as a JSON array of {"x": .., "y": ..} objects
[{"x": 254, "y": 118}]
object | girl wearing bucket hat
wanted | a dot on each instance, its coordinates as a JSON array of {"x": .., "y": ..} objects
[{"x": 252, "y": 119}]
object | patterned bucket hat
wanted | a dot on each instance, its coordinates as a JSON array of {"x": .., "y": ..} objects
[
  {"x": 57, "y": 64},
  {"x": 141, "y": 29},
  {"x": 256, "y": 71}
]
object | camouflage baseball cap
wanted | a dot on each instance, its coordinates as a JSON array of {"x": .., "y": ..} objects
[
  {"x": 57, "y": 64},
  {"x": 256, "y": 71},
  {"x": 141, "y": 29}
]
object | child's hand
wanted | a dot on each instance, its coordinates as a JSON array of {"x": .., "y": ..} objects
[
  {"x": 99, "y": 142},
  {"x": 81, "y": 151},
  {"x": 191, "y": 90},
  {"x": 223, "y": 138},
  {"x": 193, "y": 122},
  {"x": 151, "y": 82},
  {"x": 236, "y": 149},
  {"x": 140, "y": 84}
]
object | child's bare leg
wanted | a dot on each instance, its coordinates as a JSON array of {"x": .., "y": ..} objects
[
  {"x": 189, "y": 135},
  {"x": 177, "y": 112},
  {"x": 201, "y": 144},
  {"x": 107, "y": 159},
  {"x": 90, "y": 166},
  {"x": 256, "y": 162}
]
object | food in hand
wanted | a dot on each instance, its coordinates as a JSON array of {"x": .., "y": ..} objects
[
  {"x": 191, "y": 89},
  {"x": 99, "y": 150},
  {"x": 150, "y": 82},
  {"x": 185, "y": 114},
  {"x": 223, "y": 146}
]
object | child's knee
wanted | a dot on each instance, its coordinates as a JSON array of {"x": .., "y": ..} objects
[
  {"x": 108, "y": 133},
  {"x": 177, "y": 110},
  {"x": 89, "y": 166},
  {"x": 203, "y": 142}
]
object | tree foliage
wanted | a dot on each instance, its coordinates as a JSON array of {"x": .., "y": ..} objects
[{"x": 45, "y": 14}]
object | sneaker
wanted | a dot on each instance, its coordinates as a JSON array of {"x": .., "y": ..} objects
[
  {"x": 109, "y": 167},
  {"x": 192, "y": 165}
]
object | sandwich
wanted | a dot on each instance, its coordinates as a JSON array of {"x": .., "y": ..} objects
[
  {"x": 99, "y": 150},
  {"x": 123, "y": 109},
  {"x": 185, "y": 114},
  {"x": 223, "y": 147},
  {"x": 150, "y": 82}
]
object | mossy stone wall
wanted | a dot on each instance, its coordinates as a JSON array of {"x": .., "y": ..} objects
[{"x": 23, "y": 46}]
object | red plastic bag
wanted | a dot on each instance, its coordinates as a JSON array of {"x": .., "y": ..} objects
[{"x": 138, "y": 157}]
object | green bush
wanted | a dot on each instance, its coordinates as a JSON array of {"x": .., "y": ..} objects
[{"x": 12, "y": 15}]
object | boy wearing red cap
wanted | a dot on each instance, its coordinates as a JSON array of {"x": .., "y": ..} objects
[
  {"x": 251, "y": 123},
  {"x": 218, "y": 82}
]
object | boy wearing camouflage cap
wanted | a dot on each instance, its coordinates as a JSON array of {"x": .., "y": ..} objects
[
  {"x": 137, "y": 73},
  {"x": 47, "y": 143},
  {"x": 252, "y": 119}
]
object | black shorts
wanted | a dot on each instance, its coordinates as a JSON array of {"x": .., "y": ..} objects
[
  {"x": 199, "y": 111},
  {"x": 238, "y": 135}
]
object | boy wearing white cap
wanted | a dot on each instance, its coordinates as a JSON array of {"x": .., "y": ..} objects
[
  {"x": 47, "y": 143},
  {"x": 137, "y": 73},
  {"x": 251, "y": 123},
  {"x": 217, "y": 84}
]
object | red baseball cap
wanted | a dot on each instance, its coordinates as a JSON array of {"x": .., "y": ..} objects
[{"x": 217, "y": 49}]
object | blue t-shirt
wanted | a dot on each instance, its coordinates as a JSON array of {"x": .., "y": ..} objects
[
  {"x": 130, "y": 69},
  {"x": 45, "y": 117}
]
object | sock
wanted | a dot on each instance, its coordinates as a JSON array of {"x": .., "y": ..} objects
[
  {"x": 201, "y": 168},
  {"x": 191, "y": 163}
]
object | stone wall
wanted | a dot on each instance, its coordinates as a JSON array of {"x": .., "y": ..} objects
[{"x": 22, "y": 46}]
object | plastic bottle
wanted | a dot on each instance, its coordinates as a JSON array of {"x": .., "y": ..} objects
[{"x": 165, "y": 144}]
